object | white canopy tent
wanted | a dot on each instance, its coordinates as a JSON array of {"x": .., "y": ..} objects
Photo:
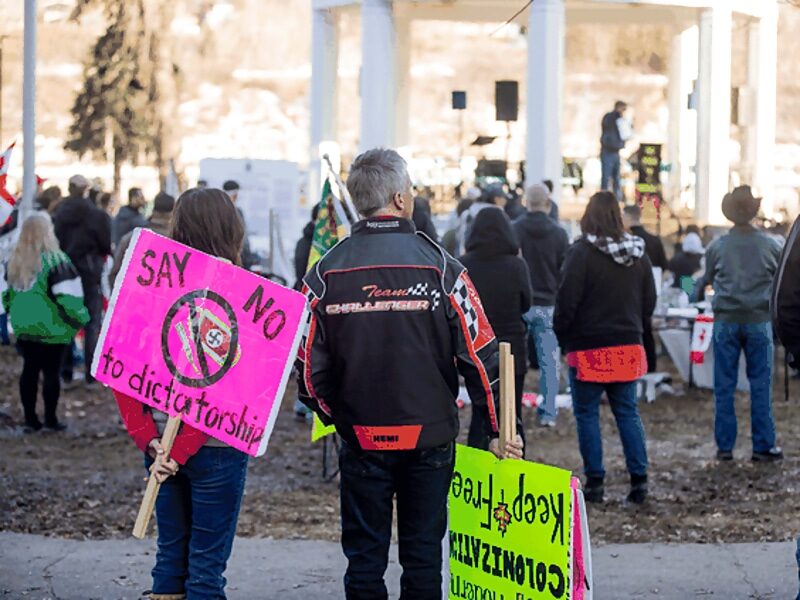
[{"x": 701, "y": 51}]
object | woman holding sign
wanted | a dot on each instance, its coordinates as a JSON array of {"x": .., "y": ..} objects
[
  {"x": 605, "y": 294},
  {"x": 44, "y": 301},
  {"x": 202, "y": 479}
]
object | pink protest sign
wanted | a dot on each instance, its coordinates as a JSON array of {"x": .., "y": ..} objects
[{"x": 196, "y": 337}]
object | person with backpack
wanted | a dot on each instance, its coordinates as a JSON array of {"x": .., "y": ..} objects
[
  {"x": 605, "y": 294},
  {"x": 44, "y": 301},
  {"x": 616, "y": 132},
  {"x": 203, "y": 479}
]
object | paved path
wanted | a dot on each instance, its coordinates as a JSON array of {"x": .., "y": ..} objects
[{"x": 38, "y": 568}]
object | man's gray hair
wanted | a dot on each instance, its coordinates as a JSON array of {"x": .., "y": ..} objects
[
  {"x": 375, "y": 177},
  {"x": 537, "y": 197}
]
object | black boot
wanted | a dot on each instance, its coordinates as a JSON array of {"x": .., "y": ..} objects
[
  {"x": 638, "y": 493},
  {"x": 594, "y": 490}
]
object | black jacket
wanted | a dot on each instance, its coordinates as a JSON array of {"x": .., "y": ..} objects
[
  {"x": 84, "y": 233},
  {"x": 501, "y": 278},
  {"x": 301, "y": 252},
  {"x": 611, "y": 140},
  {"x": 514, "y": 208},
  {"x": 544, "y": 244},
  {"x": 602, "y": 303},
  {"x": 394, "y": 319},
  {"x": 653, "y": 246},
  {"x": 423, "y": 220},
  {"x": 127, "y": 220},
  {"x": 785, "y": 303}
]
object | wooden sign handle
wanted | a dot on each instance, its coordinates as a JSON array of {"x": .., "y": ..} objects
[
  {"x": 508, "y": 409},
  {"x": 151, "y": 493}
]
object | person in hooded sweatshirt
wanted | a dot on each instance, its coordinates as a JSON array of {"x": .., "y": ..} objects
[
  {"x": 605, "y": 294},
  {"x": 504, "y": 286},
  {"x": 423, "y": 219}
]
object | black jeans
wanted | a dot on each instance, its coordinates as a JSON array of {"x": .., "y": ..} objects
[
  {"x": 370, "y": 480},
  {"x": 93, "y": 300},
  {"x": 36, "y": 358}
]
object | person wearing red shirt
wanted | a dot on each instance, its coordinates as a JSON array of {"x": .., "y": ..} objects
[{"x": 202, "y": 480}]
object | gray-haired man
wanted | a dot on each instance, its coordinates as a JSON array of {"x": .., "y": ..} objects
[
  {"x": 394, "y": 320},
  {"x": 544, "y": 244}
]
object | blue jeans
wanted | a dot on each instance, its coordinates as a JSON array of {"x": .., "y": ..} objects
[
  {"x": 586, "y": 406},
  {"x": 420, "y": 479},
  {"x": 540, "y": 329},
  {"x": 755, "y": 339},
  {"x": 196, "y": 512},
  {"x": 610, "y": 168}
]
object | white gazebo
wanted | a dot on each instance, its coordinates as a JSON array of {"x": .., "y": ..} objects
[{"x": 701, "y": 51}]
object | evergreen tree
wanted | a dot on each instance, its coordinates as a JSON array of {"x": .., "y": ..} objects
[{"x": 116, "y": 114}]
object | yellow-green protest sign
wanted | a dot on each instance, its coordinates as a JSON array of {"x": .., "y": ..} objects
[{"x": 510, "y": 524}]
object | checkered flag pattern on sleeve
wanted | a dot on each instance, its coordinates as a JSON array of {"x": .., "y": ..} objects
[{"x": 461, "y": 295}]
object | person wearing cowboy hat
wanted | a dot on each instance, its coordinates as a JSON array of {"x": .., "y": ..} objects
[{"x": 740, "y": 266}]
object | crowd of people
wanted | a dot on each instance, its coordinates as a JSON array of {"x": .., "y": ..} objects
[
  {"x": 579, "y": 310},
  {"x": 84, "y": 233}
]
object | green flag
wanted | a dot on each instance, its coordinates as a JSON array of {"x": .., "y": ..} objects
[{"x": 325, "y": 237}]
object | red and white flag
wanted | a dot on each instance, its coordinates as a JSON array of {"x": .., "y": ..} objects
[
  {"x": 7, "y": 201},
  {"x": 702, "y": 334}
]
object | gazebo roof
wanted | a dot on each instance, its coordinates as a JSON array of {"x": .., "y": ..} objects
[{"x": 578, "y": 12}]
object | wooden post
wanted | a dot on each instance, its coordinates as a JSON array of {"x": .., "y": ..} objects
[
  {"x": 151, "y": 493},
  {"x": 508, "y": 409}
]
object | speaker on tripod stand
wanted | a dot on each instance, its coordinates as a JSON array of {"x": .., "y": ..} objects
[{"x": 506, "y": 102}]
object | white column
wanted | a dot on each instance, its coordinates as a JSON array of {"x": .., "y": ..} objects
[
  {"x": 713, "y": 114},
  {"x": 402, "y": 81},
  {"x": 324, "y": 88},
  {"x": 682, "y": 145},
  {"x": 546, "y": 30},
  {"x": 29, "y": 111},
  {"x": 377, "y": 74},
  {"x": 762, "y": 84}
]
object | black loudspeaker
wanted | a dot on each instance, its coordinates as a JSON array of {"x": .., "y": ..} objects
[
  {"x": 491, "y": 168},
  {"x": 506, "y": 100},
  {"x": 459, "y": 100}
]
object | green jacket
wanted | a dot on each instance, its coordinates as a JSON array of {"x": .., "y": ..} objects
[
  {"x": 741, "y": 266},
  {"x": 51, "y": 311}
]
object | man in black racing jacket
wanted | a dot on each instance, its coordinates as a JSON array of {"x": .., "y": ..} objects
[{"x": 394, "y": 319}]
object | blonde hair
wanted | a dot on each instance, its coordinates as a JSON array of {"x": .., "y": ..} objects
[{"x": 35, "y": 239}]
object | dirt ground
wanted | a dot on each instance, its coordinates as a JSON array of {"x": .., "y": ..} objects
[{"x": 87, "y": 481}]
